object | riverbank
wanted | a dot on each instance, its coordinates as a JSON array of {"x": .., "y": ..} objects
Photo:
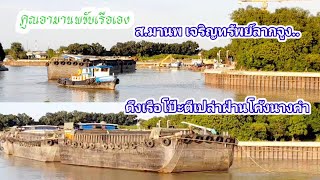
[
  {"x": 25, "y": 62},
  {"x": 278, "y": 150},
  {"x": 281, "y": 80}
]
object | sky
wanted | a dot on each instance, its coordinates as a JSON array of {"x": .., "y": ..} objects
[
  {"x": 39, "y": 109},
  {"x": 146, "y": 12}
]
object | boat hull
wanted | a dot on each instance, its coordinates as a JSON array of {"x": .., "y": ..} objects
[
  {"x": 3, "y": 68},
  {"x": 177, "y": 157},
  {"x": 83, "y": 84},
  {"x": 36, "y": 150}
]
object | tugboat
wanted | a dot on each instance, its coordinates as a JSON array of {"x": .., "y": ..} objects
[{"x": 93, "y": 77}]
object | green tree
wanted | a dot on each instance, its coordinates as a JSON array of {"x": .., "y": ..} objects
[
  {"x": 51, "y": 53},
  {"x": 269, "y": 54},
  {"x": 17, "y": 51},
  {"x": 297, "y": 127}
]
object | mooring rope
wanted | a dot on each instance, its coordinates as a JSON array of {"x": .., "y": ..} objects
[{"x": 269, "y": 171}]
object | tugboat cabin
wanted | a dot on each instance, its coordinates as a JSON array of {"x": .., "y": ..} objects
[{"x": 92, "y": 72}]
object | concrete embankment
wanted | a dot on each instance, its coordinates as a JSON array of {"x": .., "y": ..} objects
[
  {"x": 26, "y": 62},
  {"x": 282, "y": 80},
  {"x": 278, "y": 150}
]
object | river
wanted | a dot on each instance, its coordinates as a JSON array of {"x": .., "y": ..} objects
[
  {"x": 12, "y": 168},
  {"x": 30, "y": 84}
]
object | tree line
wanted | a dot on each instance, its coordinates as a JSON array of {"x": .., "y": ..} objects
[
  {"x": 144, "y": 48},
  {"x": 130, "y": 48},
  {"x": 58, "y": 118},
  {"x": 270, "y": 55},
  {"x": 253, "y": 127},
  {"x": 243, "y": 127},
  {"x": 61, "y": 117}
]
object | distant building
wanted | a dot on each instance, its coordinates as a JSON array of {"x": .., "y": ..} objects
[{"x": 37, "y": 55}]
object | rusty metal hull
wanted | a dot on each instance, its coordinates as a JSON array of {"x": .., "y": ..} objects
[
  {"x": 36, "y": 150},
  {"x": 176, "y": 157},
  {"x": 104, "y": 85}
]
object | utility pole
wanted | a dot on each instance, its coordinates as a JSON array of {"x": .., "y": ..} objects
[{"x": 227, "y": 57}]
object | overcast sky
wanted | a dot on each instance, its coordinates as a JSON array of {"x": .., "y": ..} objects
[
  {"x": 36, "y": 110},
  {"x": 147, "y": 12}
]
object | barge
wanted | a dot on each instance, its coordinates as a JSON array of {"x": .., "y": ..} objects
[
  {"x": 163, "y": 150},
  {"x": 38, "y": 142},
  {"x": 67, "y": 66},
  {"x": 93, "y": 77}
]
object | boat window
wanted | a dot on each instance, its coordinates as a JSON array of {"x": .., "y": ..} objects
[{"x": 104, "y": 70}]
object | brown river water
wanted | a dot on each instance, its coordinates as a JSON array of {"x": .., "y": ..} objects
[
  {"x": 30, "y": 84},
  {"x": 12, "y": 168}
]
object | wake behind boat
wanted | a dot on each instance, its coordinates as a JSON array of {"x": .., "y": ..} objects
[{"x": 93, "y": 77}]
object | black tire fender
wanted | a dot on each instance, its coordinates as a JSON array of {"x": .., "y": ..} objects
[
  {"x": 133, "y": 145},
  {"x": 186, "y": 139},
  {"x": 149, "y": 143},
  {"x": 111, "y": 146},
  {"x": 125, "y": 145},
  {"x": 92, "y": 146},
  {"x": 208, "y": 139},
  {"x": 166, "y": 141},
  {"x": 198, "y": 139},
  {"x": 74, "y": 144},
  {"x": 105, "y": 146},
  {"x": 50, "y": 142},
  {"x": 219, "y": 139},
  {"x": 228, "y": 140},
  {"x": 81, "y": 144}
]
